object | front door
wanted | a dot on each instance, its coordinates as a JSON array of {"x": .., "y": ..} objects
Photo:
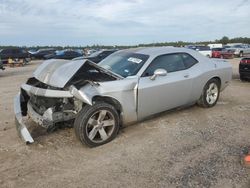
[{"x": 165, "y": 92}]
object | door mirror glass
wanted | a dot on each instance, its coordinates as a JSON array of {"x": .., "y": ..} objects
[{"x": 158, "y": 72}]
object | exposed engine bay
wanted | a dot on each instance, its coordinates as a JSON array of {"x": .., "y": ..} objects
[{"x": 47, "y": 111}]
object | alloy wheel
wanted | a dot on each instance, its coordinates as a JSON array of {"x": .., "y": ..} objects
[
  {"x": 100, "y": 126},
  {"x": 212, "y": 93}
]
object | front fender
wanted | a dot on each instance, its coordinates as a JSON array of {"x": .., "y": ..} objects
[
  {"x": 125, "y": 92},
  {"x": 85, "y": 95}
]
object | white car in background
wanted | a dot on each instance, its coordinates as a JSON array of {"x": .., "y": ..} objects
[
  {"x": 217, "y": 45},
  {"x": 204, "y": 50}
]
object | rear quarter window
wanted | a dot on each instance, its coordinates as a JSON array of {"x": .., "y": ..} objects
[{"x": 188, "y": 60}]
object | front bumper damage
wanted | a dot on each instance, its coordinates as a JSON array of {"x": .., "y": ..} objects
[
  {"x": 20, "y": 126},
  {"x": 23, "y": 107}
]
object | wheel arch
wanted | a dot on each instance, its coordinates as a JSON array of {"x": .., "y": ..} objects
[
  {"x": 204, "y": 83},
  {"x": 112, "y": 101},
  {"x": 217, "y": 78},
  {"x": 201, "y": 101}
]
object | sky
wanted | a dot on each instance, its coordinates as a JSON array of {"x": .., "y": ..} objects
[{"x": 120, "y": 22}]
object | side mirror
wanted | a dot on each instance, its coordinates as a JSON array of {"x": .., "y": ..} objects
[{"x": 158, "y": 72}]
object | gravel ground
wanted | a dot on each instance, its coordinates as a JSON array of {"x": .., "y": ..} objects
[{"x": 192, "y": 147}]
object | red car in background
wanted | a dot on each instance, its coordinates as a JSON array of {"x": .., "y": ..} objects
[{"x": 222, "y": 53}]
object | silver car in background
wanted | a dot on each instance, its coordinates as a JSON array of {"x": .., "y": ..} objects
[
  {"x": 239, "y": 50},
  {"x": 126, "y": 87}
]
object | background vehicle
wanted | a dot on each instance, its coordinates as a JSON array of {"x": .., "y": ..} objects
[
  {"x": 204, "y": 50},
  {"x": 40, "y": 54},
  {"x": 100, "y": 55},
  {"x": 222, "y": 53},
  {"x": 88, "y": 52},
  {"x": 218, "y": 45},
  {"x": 239, "y": 50},
  {"x": 1, "y": 65},
  {"x": 64, "y": 54},
  {"x": 244, "y": 69},
  {"x": 14, "y": 53}
]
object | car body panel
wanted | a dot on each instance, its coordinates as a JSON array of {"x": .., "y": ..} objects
[
  {"x": 137, "y": 96},
  {"x": 163, "y": 93},
  {"x": 20, "y": 126},
  {"x": 57, "y": 72},
  {"x": 124, "y": 91},
  {"x": 46, "y": 92}
]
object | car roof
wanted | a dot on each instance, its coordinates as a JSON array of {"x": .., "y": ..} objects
[{"x": 155, "y": 51}]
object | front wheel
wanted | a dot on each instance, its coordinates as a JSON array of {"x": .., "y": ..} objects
[
  {"x": 97, "y": 125},
  {"x": 210, "y": 94}
]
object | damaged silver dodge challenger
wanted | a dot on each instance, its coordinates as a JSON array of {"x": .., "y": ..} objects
[{"x": 128, "y": 86}]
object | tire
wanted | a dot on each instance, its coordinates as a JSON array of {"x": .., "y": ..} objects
[
  {"x": 210, "y": 96},
  {"x": 26, "y": 61},
  {"x": 90, "y": 122},
  {"x": 242, "y": 78},
  {"x": 241, "y": 54}
]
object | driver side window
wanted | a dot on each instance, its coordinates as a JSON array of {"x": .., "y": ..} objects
[{"x": 170, "y": 62}]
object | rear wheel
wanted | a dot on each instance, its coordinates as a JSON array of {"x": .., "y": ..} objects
[
  {"x": 210, "y": 94},
  {"x": 97, "y": 125}
]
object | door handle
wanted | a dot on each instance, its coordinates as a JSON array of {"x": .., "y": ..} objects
[{"x": 186, "y": 75}]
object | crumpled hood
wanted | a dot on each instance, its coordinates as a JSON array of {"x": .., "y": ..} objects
[{"x": 57, "y": 72}]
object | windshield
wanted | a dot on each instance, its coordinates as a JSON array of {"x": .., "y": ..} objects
[{"x": 124, "y": 63}]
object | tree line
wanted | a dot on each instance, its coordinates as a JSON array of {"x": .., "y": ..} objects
[{"x": 223, "y": 40}]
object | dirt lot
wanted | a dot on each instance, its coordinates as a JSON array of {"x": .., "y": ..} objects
[{"x": 192, "y": 147}]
